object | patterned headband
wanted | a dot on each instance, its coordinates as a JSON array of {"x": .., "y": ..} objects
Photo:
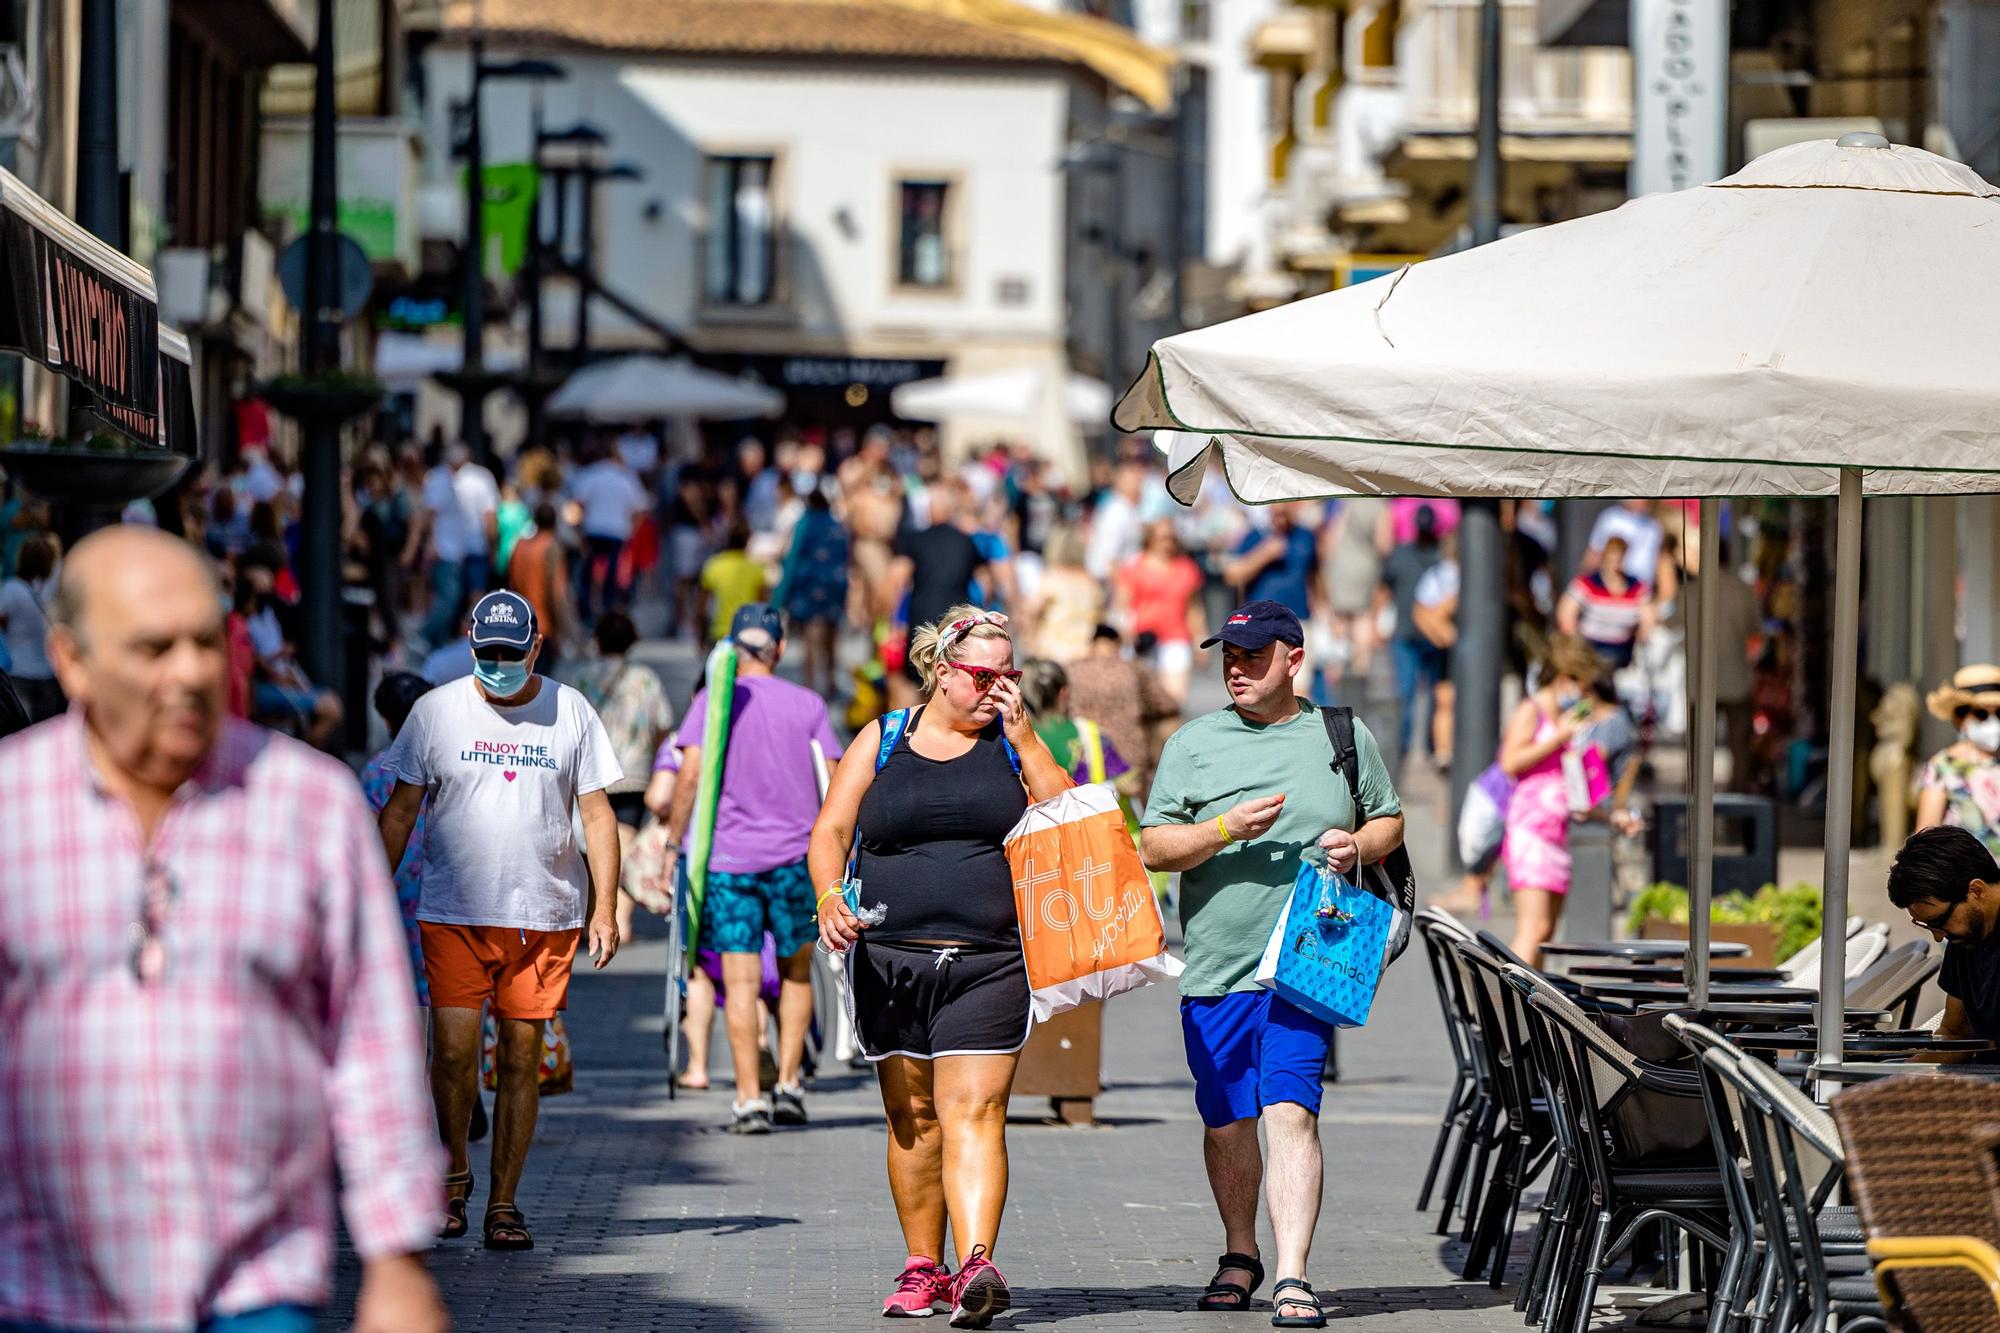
[{"x": 958, "y": 629}]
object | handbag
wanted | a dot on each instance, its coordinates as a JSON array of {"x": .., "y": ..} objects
[
  {"x": 1586, "y": 779},
  {"x": 1328, "y": 950},
  {"x": 1392, "y": 879},
  {"x": 1090, "y": 923}
]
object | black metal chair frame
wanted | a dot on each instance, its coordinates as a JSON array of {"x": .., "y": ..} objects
[
  {"x": 1595, "y": 1076},
  {"x": 1525, "y": 1141},
  {"x": 1437, "y": 931}
]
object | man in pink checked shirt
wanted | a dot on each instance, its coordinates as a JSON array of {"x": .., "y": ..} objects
[{"x": 204, "y": 990}]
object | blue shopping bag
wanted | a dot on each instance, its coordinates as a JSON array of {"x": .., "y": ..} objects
[{"x": 1330, "y": 945}]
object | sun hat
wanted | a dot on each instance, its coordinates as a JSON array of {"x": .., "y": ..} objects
[{"x": 1975, "y": 686}]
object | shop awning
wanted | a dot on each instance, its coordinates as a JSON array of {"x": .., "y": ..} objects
[{"x": 90, "y": 314}]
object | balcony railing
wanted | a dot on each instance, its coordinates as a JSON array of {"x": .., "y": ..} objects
[{"x": 1542, "y": 90}]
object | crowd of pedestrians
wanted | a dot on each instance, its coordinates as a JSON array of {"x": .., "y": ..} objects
[{"x": 986, "y": 631}]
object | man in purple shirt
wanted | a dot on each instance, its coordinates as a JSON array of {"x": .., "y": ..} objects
[{"x": 757, "y": 878}]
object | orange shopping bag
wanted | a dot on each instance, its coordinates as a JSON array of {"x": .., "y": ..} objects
[{"x": 1090, "y": 925}]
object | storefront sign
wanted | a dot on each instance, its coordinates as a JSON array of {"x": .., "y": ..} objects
[
  {"x": 1680, "y": 84},
  {"x": 837, "y": 372},
  {"x": 83, "y": 320}
]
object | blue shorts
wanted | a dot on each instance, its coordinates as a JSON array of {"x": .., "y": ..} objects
[
  {"x": 1249, "y": 1050},
  {"x": 738, "y": 909}
]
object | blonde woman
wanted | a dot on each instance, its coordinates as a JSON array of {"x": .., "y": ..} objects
[{"x": 940, "y": 992}]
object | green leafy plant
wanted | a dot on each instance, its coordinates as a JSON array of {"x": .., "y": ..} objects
[{"x": 1793, "y": 912}]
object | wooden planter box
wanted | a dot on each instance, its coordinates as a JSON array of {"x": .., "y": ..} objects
[
  {"x": 1061, "y": 1063},
  {"x": 1762, "y": 939}
]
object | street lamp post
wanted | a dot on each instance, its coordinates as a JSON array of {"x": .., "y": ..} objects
[
  {"x": 319, "y": 556},
  {"x": 1482, "y": 552},
  {"x": 588, "y": 175},
  {"x": 539, "y": 382},
  {"x": 473, "y": 383}
]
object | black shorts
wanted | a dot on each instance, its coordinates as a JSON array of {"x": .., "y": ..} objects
[{"x": 927, "y": 1002}]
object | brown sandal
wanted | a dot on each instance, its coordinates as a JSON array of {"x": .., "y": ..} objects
[
  {"x": 455, "y": 1203},
  {"x": 507, "y": 1228}
]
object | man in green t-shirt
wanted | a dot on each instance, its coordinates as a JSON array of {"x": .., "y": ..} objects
[{"x": 1239, "y": 795}]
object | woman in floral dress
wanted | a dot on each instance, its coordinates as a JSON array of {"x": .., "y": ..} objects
[{"x": 1960, "y": 786}]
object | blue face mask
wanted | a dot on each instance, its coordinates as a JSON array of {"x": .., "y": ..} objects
[{"x": 503, "y": 680}]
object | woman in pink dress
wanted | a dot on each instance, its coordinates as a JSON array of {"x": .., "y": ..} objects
[{"x": 1535, "y": 849}]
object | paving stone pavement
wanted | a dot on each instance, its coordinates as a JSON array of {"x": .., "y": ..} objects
[{"x": 647, "y": 1215}]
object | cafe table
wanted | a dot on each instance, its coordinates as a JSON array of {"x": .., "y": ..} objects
[
  {"x": 1719, "y": 990},
  {"x": 1785, "y": 1015},
  {"x": 1863, "y": 1046},
  {"x": 1669, "y": 972},
  {"x": 1869, "y": 1071},
  {"x": 1639, "y": 949}
]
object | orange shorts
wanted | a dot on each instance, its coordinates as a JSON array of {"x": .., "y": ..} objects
[{"x": 525, "y": 973}]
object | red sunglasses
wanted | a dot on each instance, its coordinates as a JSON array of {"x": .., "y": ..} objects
[{"x": 983, "y": 677}]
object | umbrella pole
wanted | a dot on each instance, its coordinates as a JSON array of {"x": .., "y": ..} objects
[
  {"x": 1840, "y": 768},
  {"x": 1701, "y": 756}
]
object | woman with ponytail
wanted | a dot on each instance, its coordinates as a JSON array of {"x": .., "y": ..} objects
[{"x": 940, "y": 992}]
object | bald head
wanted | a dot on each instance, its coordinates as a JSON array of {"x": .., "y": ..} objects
[
  {"x": 139, "y": 644},
  {"x": 126, "y": 561}
]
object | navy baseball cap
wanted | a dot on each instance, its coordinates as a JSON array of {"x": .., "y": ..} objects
[
  {"x": 503, "y": 620},
  {"x": 1254, "y": 624},
  {"x": 757, "y": 626}
]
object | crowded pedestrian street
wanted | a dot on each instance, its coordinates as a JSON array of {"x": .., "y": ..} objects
[
  {"x": 660, "y": 1220},
  {"x": 741, "y": 665}
]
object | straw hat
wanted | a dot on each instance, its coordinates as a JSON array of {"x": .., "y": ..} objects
[{"x": 1976, "y": 686}]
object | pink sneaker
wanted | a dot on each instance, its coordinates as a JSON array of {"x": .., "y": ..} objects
[
  {"x": 978, "y": 1292},
  {"x": 922, "y": 1288}
]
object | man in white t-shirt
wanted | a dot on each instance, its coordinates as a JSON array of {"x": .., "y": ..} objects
[
  {"x": 461, "y": 511},
  {"x": 498, "y": 762},
  {"x": 613, "y": 501}
]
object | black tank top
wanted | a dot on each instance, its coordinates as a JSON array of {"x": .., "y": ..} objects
[{"x": 931, "y": 832}]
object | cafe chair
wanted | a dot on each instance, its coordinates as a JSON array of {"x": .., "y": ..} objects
[
  {"x": 1438, "y": 929},
  {"x": 1523, "y": 1139},
  {"x": 1921, "y": 1166},
  {"x": 1802, "y": 968},
  {"x": 1637, "y": 1169}
]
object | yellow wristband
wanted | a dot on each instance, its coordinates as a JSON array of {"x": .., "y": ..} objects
[
  {"x": 1222, "y": 827},
  {"x": 838, "y": 888}
]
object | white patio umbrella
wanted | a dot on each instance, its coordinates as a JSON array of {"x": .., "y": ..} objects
[
  {"x": 1014, "y": 395},
  {"x": 1824, "y": 322},
  {"x": 643, "y": 388}
]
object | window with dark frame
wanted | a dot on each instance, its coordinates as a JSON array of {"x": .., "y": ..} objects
[
  {"x": 740, "y": 251},
  {"x": 923, "y": 256}
]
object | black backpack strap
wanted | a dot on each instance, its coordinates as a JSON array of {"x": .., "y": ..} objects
[{"x": 1346, "y": 758}]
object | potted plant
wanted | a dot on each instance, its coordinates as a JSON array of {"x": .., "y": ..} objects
[
  {"x": 339, "y": 396},
  {"x": 1774, "y": 922},
  {"x": 100, "y": 468}
]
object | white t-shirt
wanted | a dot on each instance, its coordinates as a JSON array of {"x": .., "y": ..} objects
[
  {"x": 1643, "y": 538},
  {"x": 27, "y": 628},
  {"x": 611, "y": 498},
  {"x": 500, "y": 845},
  {"x": 459, "y": 503}
]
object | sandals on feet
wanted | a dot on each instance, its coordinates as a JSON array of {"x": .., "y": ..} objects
[
  {"x": 457, "y": 1193},
  {"x": 1229, "y": 1296},
  {"x": 507, "y": 1228},
  {"x": 1301, "y": 1294}
]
